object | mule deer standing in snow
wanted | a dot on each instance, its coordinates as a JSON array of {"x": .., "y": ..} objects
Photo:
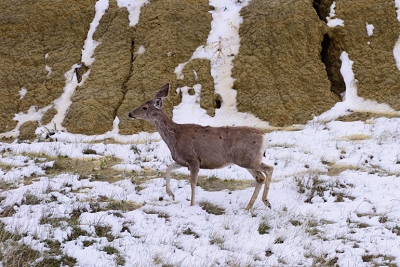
[{"x": 203, "y": 147}]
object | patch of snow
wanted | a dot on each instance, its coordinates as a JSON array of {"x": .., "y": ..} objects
[
  {"x": 190, "y": 105},
  {"x": 396, "y": 53},
  {"x": 331, "y": 21},
  {"x": 90, "y": 44},
  {"x": 348, "y": 76},
  {"x": 62, "y": 103},
  {"x": 196, "y": 77},
  {"x": 22, "y": 92},
  {"x": 32, "y": 115},
  {"x": 47, "y": 68},
  {"x": 141, "y": 50},
  {"x": 222, "y": 46},
  {"x": 133, "y": 8},
  {"x": 351, "y": 101},
  {"x": 370, "y": 28},
  {"x": 21, "y": 117},
  {"x": 397, "y": 5}
]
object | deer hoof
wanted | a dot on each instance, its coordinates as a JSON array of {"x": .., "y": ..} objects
[{"x": 266, "y": 202}]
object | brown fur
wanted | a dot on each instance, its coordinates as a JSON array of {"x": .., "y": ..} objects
[{"x": 204, "y": 147}]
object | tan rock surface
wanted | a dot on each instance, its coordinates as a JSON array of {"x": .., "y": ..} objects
[
  {"x": 287, "y": 69},
  {"x": 279, "y": 72},
  {"x": 94, "y": 105},
  {"x": 374, "y": 64},
  {"x": 170, "y": 31},
  {"x": 198, "y": 71},
  {"x": 28, "y": 31}
]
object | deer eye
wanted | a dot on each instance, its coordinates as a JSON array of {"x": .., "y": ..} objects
[{"x": 145, "y": 108}]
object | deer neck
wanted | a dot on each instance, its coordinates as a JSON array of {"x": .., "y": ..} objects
[{"x": 166, "y": 127}]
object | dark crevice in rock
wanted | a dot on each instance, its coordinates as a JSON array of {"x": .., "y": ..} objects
[
  {"x": 330, "y": 55},
  {"x": 331, "y": 58},
  {"x": 126, "y": 80},
  {"x": 323, "y": 8},
  {"x": 133, "y": 57}
]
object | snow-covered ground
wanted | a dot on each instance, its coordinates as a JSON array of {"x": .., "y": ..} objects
[
  {"x": 335, "y": 199},
  {"x": 335, "y": 194}
]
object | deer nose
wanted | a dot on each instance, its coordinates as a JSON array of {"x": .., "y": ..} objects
[{"x": 130, "y": 115}]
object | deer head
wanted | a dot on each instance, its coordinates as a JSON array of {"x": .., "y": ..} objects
[{"x": 150, "y": 109}]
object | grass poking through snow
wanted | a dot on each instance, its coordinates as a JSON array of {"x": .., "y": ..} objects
[{"x": 335, "y": 202}]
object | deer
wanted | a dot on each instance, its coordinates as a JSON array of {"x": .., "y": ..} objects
[{"x": 205, "y": 147}]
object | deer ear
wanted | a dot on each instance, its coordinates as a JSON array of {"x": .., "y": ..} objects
[
  {"x": 158, "y": 103},
  {"x": 163, "y": 92}
]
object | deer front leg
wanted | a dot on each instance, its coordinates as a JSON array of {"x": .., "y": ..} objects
[
  {"x": 254, "y": 196},
  {"x": 170, "y": 168},
  {"x": 268, "y": 173},
  {"x": 194, "y": 172},
  {"x": 256, "y": 189}
]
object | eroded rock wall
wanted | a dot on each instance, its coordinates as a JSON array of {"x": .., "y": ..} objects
[
  {"x": 169, "y": 34},
  {"x": 287, "y": 68},
  {"x": 279, "y": 62},
  {"x": 374, "y": 64},
  {"x": 28, "y": 31},
  {"x": 95, "y": 103}
]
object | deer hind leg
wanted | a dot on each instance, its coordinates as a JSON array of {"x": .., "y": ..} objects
[
  {"x": 266, "y": 172},
  {"x": 194, "y": 172},
  {"x": 170, "y": 168},
  {"x": 256, "y": 189}
]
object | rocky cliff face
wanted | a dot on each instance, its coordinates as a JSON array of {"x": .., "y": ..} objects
[
  {"x": 280, "y": 64},
  {"x": 36, "y": 34},
  {"x": 287, "y": 67},
  {"x": 374, "y": 61}
]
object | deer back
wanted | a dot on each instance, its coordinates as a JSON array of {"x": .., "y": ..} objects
[{"x": 215, "y": 147}]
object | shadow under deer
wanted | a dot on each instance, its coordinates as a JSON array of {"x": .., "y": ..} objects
[{"x": 204, "y": 147}]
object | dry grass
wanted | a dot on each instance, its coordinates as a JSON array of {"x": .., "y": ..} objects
[
  {"x": 364, "y": 116},
  {"x": 215, "y": 184},
  {"x": 160, "y": 214},
  {"x": 357, "y": 137},
  {"x": 264, "y": 227},
  {"x": 122, "y": 205},
  {"x": 211, "y": 208},
  {"x": 311, "y": 185}
]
